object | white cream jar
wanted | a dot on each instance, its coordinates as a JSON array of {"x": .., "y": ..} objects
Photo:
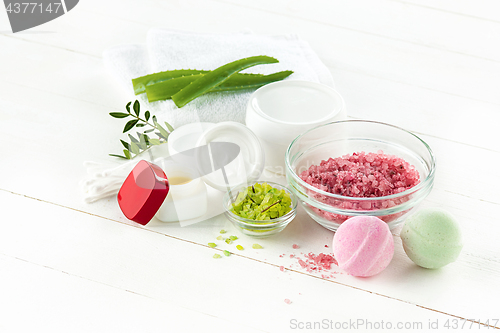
[
  {"x": 279, "y": 112},
  {"x": 187, "y": 196}
]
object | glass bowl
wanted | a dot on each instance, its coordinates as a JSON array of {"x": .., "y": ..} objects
[
  {"x": 259, "y": 229},
  {"x": 346, "y": 137}
]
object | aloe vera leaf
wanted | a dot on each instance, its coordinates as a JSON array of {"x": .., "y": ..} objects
[
  {"x": 237, "y": 82},
  {"x": 140, "y": 83},
  {"x": 165, "y": 90},
  {"x": 217, "y": 77}
]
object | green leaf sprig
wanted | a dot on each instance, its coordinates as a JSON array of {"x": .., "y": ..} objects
[{"x": 143, "y": 141}]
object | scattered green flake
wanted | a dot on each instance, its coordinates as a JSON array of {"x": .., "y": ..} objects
[
  {"x": 220, "y": 238},
  {"x": 223, "y": 231},
  {"x": 227, "y": 253},
  {"x": 212, "y": 245},
  {"x": 257, "y": 246},
  {"x": 217, "y": 256},
  {"x": 229, "y": 241},
  {"x": 239, "y": 247},
  {"x": 233, "y": 238}
]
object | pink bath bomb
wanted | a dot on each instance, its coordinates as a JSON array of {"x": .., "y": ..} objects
[{"x": 363, "y": 246}]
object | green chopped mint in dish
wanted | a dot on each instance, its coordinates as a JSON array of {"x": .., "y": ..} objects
[{"x": 262, "y": 202}]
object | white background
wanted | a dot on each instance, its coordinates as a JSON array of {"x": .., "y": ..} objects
[{"x": 432, "y": 67}]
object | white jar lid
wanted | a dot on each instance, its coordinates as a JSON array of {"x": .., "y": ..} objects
[
  {"x": 247, "y": 167},
  {"x": 186, "y": 136},
  {"x": 278, "y": 112}
]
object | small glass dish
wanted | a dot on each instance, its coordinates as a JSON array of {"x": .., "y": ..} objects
[
  {"x": 259, "y": 229},
  {"x": 346, "y": 137}
]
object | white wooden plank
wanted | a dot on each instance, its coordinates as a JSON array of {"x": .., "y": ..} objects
[
  {"x": 479, "y": 261},
  {"x": 341, "y": 48},
  {"x": 338, "y": 47},
  {"x": 482, "y": 9},
  {"x": 474, "y": 200},
  {"x": 234, "y": 288},
  {"x": 395, "y": 20},
  {"x": 60, "y": 72},
  {"x": 4, "y": 23},
  {"x": 58, "y": 128},
  {"x": 367, "y": 96},
  {"x": 83, "y": 31},
  {"x": 41, "y": 299},
  {"x": 419, "y": 109}
]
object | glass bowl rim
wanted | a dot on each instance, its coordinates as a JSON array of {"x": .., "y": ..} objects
[
  {"x": 426, "y": 182},
  {"x": 262, "y": 224}
]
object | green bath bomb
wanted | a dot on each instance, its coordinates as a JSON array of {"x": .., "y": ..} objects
[{"x": 432, "y": 238}]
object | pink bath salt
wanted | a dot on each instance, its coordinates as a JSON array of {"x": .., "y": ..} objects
[
  {"x": 317, "y": 263},
  {"x": 362, "y": 175},
  {"x": 282, "y": 268},
  {"x": 287, "y": 301},
  {"x": 295, "y": 246},
  {"x": 363, "y": 246}
]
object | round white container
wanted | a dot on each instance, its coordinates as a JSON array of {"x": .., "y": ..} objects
[
  {"x": 184, "y": 201},
  {"x": 249, "y": 164},
  {"x": 186, "y": 136},
  {"x": 279, "y": 112}
]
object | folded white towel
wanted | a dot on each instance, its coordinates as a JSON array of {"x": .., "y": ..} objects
[{"x": 169, "y": 50}]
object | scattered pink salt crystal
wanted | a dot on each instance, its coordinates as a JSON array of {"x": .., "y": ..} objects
[
  {"x": 282, "y": 268},
  {"x": 287, "y": 301},
  {"x": 295, "y": 246},
  {"x": 317, "y": 263}
]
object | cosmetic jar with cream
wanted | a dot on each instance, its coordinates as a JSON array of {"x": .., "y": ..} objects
[
  {"x": 187, "y": 197},
  {"x": 279, "y": 112}
]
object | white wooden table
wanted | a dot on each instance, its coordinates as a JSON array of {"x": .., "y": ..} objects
[{"x": 432, "y": 67}]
